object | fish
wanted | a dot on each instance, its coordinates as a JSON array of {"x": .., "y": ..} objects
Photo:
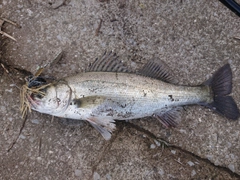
[{"x": 109, "y": 91}]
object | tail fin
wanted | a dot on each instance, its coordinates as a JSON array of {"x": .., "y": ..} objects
[{"x": 221, "y": 85}]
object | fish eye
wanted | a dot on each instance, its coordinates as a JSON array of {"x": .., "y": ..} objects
[{"x": 38, "y": 96}]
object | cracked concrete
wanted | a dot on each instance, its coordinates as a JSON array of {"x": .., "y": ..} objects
[{"x": 195, "y": 39}]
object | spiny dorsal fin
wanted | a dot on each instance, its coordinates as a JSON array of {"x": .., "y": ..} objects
[
  {"x": 109, "y": 62},
  {"x": 158, "y": 70}
]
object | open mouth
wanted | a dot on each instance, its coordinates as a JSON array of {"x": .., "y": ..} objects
[{"x": 34, "y": 103}]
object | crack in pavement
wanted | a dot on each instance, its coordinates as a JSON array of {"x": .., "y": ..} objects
[
  {"x": 105, "y": 150},
  {"x": 151, "y": 135}
]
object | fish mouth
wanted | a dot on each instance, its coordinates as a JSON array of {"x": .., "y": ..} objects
[{"x": 33, "y": 102}]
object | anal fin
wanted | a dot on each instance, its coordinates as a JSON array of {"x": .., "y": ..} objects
[
  {"x": 104, "y": 125},
  {"x": 169, "y": 117}
]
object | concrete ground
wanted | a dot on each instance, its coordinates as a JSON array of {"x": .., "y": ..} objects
[{"x": 194, "y": 39}]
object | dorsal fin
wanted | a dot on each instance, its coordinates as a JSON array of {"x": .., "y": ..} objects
[
  {"x": 157, "y": 69},
  {"x": 109, "y": 62}
]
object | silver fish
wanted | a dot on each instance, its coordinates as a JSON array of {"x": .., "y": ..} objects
[{"x": 110, "y": 92}]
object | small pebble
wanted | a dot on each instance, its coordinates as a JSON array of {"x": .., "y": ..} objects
[
  {"x": 108, "y": 177},
  {"x": 161, "y": 172},
  {"x": 22, "y": 137},
  {"x": 231, "y": 167},
  {"x": 8, "y": 90},
  {"x": 35, "y": 121},
  {"x": 193, "y": 173},
  {"x": 3, "y": 108},
  {"x": 173, "y": 151},
  {"x": 190, "y": 163},
  {"x": 157, "y": 143},
  {"x": 96, "y": 176},
  {"x": 153, "y": 146},
  {"x": 78, "y": 172}
]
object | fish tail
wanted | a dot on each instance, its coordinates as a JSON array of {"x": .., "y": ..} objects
[{"x": 221, "y": 87}]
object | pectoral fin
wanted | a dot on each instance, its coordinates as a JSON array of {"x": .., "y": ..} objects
[
  {"x": 169, "y": 117},
  {"x": 104, "y": 125}
]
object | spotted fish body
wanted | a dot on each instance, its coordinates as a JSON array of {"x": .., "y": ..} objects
[{"x": 102, "y": 97}]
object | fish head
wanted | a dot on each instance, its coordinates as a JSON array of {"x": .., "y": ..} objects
[{"x": 53, "y": 99}]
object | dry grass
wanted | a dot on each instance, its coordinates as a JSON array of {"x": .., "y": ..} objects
[{"x": 26, "y": 92}]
